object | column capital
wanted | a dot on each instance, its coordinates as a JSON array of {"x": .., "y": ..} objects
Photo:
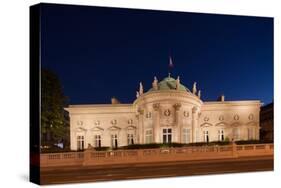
[
  {"x": 177, "y": 106},
  {"x": 195, "y": 109},
  {"x": 140, "y": 111},
  {"x": 156, "y": 106}
]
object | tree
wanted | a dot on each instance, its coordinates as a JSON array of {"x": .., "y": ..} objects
[{"x": 54, "y": 123}]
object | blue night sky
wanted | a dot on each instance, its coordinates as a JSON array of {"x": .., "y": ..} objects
[{"x": 103, "y": 52}]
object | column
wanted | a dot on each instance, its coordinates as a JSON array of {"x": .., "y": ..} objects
[
  {"x": 122, "y": 137},
  {"x": 257, "y": 131},
  {"x": 87, "y": 138},
  {"x": 178, "y": 124},
  {"x": 243, "y": 132},
  {"x": 141, "y": 126},
  {"x": 194, "y": 123},
  {"x": 156, "y": 123},
  {"x": 73, "y": 141}
]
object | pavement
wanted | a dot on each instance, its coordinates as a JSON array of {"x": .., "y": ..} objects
[{"x": 80, "y": 174}]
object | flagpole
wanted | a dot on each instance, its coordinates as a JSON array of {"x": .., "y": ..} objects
[{"x": 171, "y": 65}]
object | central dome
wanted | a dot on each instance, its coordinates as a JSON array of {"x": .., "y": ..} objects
[{"x": 169, "y": 83}]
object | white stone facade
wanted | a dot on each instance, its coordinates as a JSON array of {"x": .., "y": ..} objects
[{"x": 168, "y": 112}]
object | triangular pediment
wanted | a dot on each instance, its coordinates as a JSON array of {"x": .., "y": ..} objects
[
  {"x": 97, "y": 128},
  {"x": 206, "y": 125},
  {"x": 131, "y": 127},
  {"x": 114, "y": 128},
  {"x": 252, "y": 123},
  {"x": 222, "y": 124},
  {"x": 236, "y": 124},
  {"x": 81, "y": 129}
]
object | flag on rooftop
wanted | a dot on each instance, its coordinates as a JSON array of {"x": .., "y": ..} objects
[{"x": 171, "y": 65}]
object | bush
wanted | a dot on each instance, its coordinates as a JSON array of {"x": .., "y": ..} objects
[
  {"x": 240, "y": 142},
  {"x": 102, "y": 148},
  {"x": 221, "y": 143},
  {"x": 208, "y": 143},
  {"x": 152, "y": 145},
  {"x": 197, "y": 144},
  {"x": 55, "y": 150},
  {"x": 173, "y": 144},
  {"x": 141, "y": 146}
]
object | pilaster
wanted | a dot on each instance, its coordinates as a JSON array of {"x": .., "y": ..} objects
[
  {"x": 194, "y": 123},
  {"x": 178, "y": 124},
  {"x": 88, "y": 138},
  {"x": 141, "y": 126},
  {"x": 156, "y": 123}
]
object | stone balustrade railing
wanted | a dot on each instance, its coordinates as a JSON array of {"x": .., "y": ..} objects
[{"x": 92, "y": 157}]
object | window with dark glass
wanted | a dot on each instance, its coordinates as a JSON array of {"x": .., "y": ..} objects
[
  {"x": 130, "y": 139},
  {"x": 114, "y": 141},
  {"x": 167, "y": 135},
  {"x": 221, "y": 135},
  {"x": 80, "y": 142},
  {"x": 97, "y": 141},
  {"x": 206, "y": 136}
]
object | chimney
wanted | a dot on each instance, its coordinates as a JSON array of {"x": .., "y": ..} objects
[
  {"x": 221, "y": 98},
  {"x": 114, "y": 101}
]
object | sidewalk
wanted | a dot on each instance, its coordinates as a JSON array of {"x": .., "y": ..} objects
[{"x": 227, "y": 160}]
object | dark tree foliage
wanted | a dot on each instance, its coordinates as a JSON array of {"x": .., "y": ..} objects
[{"x": 54, "y": 120}]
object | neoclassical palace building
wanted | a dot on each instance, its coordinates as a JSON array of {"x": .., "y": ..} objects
[{"x": 168, "y": 112}]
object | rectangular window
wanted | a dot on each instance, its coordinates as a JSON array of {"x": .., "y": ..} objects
[
  {"x": 206, "y": 136},
  {"x": 167, "y": 135},
  {"x": 80, "y": 142},
  {"x": 97, "y": 141},
  {"x": 148, "y": 115},
  {"x": 221, "y": 135},
  {"x": 148, "y": 136},
  {"x": 186, "y": 135},
  {"x": 130, "y": 139},
  {"x": 114, "y": 141}
]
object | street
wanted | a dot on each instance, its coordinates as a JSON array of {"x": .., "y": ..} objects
[{"x": 57, "y": 175}]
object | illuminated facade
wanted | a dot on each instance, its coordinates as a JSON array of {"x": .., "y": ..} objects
[{"x": 168, "y": 112}]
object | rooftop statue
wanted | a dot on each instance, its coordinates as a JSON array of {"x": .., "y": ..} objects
[
  {"x": 194, "y": 89},
  {"x": 155, "y": 83},
  {"x": 141, "y": 89}
]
